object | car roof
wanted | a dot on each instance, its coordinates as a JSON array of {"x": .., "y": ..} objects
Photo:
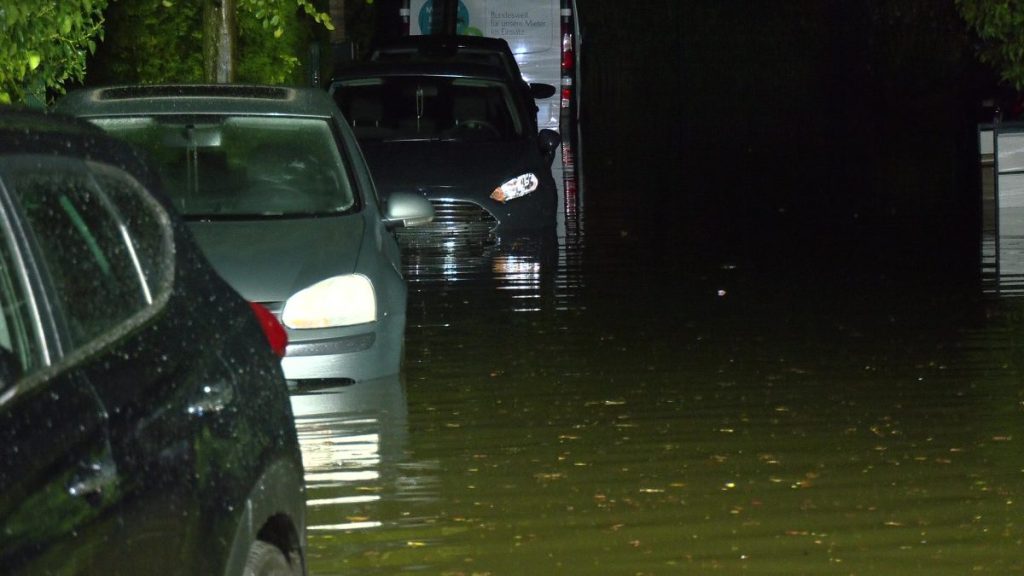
[
  {"x": 420, "y": 68},
  {"x": 474, "y": 49},
  {"x": 444, "y": 42},
  {"x": 25, "y": 131},
  {"x": 198, "y": 98}
]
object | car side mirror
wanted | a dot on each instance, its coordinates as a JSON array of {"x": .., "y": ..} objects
[
  {"x": 548, "y": 140},
  {"x": 405, "y": 209},
  {"x": 541, "y": 91}
]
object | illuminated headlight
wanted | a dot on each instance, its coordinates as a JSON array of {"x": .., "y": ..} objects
[
  {"x": 519, "y": 186},
  {"x": 337, "y": 301}
]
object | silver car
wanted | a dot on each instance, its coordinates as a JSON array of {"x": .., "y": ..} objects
[{"x": 278, "y": 195}]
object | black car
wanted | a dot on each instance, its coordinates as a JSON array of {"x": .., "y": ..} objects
[
  {"x": 145, "y": 425},
  {"x": 458, "y": 134}
]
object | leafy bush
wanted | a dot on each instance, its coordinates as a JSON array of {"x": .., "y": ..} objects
[
  {"x": 999, "y": 27},
  {"x": 273, "y": 39},
  {"x": 45, "y": 45}
]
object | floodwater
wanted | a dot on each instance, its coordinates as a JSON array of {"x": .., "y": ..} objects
[{"x": 607, "y": 408}]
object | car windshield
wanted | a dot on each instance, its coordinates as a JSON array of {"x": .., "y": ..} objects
[
  {"x": 237, "y": 166},
  {"x": 429, "y": 108}
]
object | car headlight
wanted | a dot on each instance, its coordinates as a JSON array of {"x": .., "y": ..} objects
[
  {"x": 519, "y": 186},
  {"x": 338, "y": 301}
]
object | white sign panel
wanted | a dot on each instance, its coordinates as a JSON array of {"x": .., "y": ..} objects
[{"x": 529, "y": 26}]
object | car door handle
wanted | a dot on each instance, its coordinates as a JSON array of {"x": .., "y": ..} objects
[
  {"x": 94, "y": 479},
  {"x": 212, "y": 399}
]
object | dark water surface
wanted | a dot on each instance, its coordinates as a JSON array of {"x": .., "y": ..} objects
[{"x": 616, "y": 410}]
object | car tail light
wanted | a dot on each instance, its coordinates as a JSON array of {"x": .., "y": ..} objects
[
  {"x": 568, "y": 54},
  {"x": 272, "y": 329},
  {"x": 404, "y": 12}
]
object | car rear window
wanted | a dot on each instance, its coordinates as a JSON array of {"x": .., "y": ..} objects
[
  {"x": 238, "y": 166},
  {"x": 428, "y": 108}
]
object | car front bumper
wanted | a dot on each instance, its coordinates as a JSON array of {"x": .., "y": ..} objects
[{"x": 347, "y": 353}]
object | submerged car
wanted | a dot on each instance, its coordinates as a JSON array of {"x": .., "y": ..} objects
[
  {"x": 276, "y": 191},
  {"x": 145, "y": 424},
  {"x": 459, "y": 135}
]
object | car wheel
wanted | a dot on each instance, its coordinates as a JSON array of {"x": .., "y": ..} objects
[{"x": 268, "y": 560}]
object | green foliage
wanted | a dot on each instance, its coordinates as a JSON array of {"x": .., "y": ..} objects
[
  {"x": 999, "y": 26},
  {"x": 169, "y": 49},
  {"x": 273, "y": 13},
  {"x": 44, "y": 43},
  {"x": 273, "y": 38},
  {"x": 270, "y": 49}
]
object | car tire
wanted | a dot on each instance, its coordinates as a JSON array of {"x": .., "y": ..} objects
[{"x": 265, "y": 559}]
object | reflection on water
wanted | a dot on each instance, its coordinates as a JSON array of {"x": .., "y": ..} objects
[
  {"x": 350, "y": 438},
  {"x": 531, "y": 271},
  {"x": 655, "y": 415}
]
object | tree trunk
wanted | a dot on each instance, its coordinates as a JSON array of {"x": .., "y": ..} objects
[
  {"x": 220, "y": 37},
  {"x": 337, "y": 11}
]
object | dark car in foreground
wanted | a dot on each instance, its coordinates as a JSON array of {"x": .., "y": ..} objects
[
  {"x": 276, "y": 191},
  {"x": 145, "y": 424},
  {"x": 459, "y": 135}
]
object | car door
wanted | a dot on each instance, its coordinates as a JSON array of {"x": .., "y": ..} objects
[
  {"x": 57, "y": 475},
  {"x": 109, "y": 257}
]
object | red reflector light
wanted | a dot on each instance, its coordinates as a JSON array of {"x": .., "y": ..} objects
[
  {"x": 276, "y": 335},
  {"x": 568, "y": 56}
]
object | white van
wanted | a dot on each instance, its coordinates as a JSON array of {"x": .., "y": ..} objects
[{"x": 544, "y": 37}]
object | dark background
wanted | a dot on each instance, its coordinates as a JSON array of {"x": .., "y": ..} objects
[
  {"x": 808, "y": 129},
  {"x": 838, "y": 133}
]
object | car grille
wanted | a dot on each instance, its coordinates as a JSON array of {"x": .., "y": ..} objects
[{"x": 454, "y": 220}]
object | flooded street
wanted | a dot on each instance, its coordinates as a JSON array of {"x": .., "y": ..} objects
[{"x": 610, "y": 409}]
